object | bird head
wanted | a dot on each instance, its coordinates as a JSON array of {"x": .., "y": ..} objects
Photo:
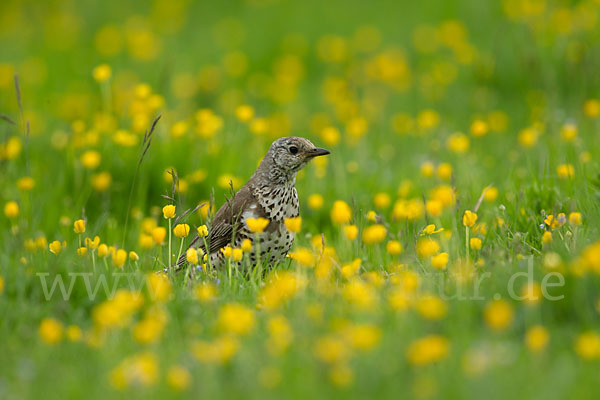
[{"x": 291, "y": 154}]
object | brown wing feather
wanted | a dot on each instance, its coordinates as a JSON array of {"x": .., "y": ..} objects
[{"x": 225, "y": 221}]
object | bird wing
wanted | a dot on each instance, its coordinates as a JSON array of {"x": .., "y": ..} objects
[{"x": 226, "y": 221}]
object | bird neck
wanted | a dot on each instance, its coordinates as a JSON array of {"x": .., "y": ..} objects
[
  {"x": 283, "y": 178},
  {"x": 269, "y": 174}
]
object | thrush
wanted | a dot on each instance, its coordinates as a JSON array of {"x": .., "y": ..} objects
[{"x": 270, "y": 193}]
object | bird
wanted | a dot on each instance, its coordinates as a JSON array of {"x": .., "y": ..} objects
[{"x": 270, "y": 193}]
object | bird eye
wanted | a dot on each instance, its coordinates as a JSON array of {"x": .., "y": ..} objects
[{"x": 293, "y": 149}]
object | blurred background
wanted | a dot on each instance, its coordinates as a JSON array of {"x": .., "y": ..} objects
[
  {"x": 423, "y": 105},
  {"x": 387, "y": 85}
]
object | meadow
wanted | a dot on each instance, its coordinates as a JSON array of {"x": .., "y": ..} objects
[{"x": 448, "y": 247}]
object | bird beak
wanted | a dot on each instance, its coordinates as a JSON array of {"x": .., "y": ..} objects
[{"x": 317, "y": 152}]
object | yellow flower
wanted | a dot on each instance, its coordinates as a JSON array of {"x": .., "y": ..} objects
[
  {"x": 431, "y": 307},
  {"x": 444, "y": 194},
  {"x": 55, "y": 247},
  {"x": 102, "y": 250},
  {"x": 168, "y": 211},
  {"x": 280, "y": 287},
  {"x": 73, "y": 333},
  {"x": 82, "y": 251},
  {"x": 293, "y": 224},
  {"x": 315, "y": 201},
  {"x": 458, "y": 143},
  {"x": 427, "y": 169},
  {"x": 393, "y": 247},
  {"x": 140, "y": 369},
  {"x": 444, "y": 171},
  {"x": 257, "y": 225},
  {"x": 587, "y": 346},
  {"x": 102, "y": 73},
  {"x": 547, "y": 237},
  {"x": 479, "y": 128},
  {"x": 427, "y": 247},
  {"x": 428, "y": 119},
  {"x": 303, "y": 256},
  {"x": 158, "y": 234},
  {"x": 202, "y": 231},
  {"x": 528, "y": 137},
  {"x": 11, "y": 149},
  {"x": 1, "y": 284},
  {"x": 219, "y": 351},
  {"x": 469, "y": 218},
  {"x": 331, "y": 349},
  {"x": 532, "y": 293},
  {"x": 360, "y": 294},
  {"x": 101, "y": 181},
  {"x": 91, "y": 159},
  {"x": 191, "y": 255},
  {"x": 568, "y": 133},
  {"x": 575, "y": 218},
  {"x": 79, "y": 226},
  {"x": 434, "y": 208},
  {"x": 430, "y": 230},
  {"x": 341, "y": 213},
  {"x": 205, "y": 292},
  {"x": 498, "y": 315},
  {"x": 50, "y": 331},
  {"x": 149, "y": 329},
  {"x": 382, "y": 200},
  {"x": 374, "y": 234},
  {"x": 178, "y": 129},
  {"x": 554, "y": 222},
  {"x": 227, "y": 251},
  {"x": 351, "y": 231},
  {"x": 427, "y": 350},
  {"x": 236, "y": 319},
  {"x": 181, "y": 230},
  {"x": 372, "y": 216},
  {"x": 439, "y": 261},
  {"x": 362, "y": 336},
  {"x": 244, "y": 113},
  {"x": 133, "y": 256},
  {"x": 178, "y": 378},
  {"x": 11, "y": 209},
  {"x": 26, "y": 183},
  {"x": 92, "y": 244},
  {"x": 119, "y": 258},
  {"x": 536, "y": 338},
  {"x": 351, "y": 269},
  {"x": 246, "y": 245},
  {"x": 475, "y": 243},
  {"x": 591, "y": 108},
  {"x": 565, "y": 171},
  {"x": 159, "y": 287},
  {"x": 491, "y": 194},
  {"x": 330, "y": 135},
  {"x": 237, "y": 254}
]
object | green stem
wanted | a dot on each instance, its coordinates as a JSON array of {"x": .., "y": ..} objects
[
  {"x": 229, "y": 271},
  {"x": 467, "y": 243},
  {"x": 169, "y": 254},
  {"x": 180, "y": 249},
  {"x": 206, "y": 251}
]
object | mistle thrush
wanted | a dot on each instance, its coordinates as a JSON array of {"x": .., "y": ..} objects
[{"x": 270, "y": 193}]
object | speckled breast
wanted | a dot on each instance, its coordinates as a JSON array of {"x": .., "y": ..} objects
[{"x": 279, "y": 203}]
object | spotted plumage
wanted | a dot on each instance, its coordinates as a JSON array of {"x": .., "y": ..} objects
[{"x": 270, "y": 193}]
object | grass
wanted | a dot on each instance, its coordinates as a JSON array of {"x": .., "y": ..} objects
[{"x": 422, "y": 106}]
